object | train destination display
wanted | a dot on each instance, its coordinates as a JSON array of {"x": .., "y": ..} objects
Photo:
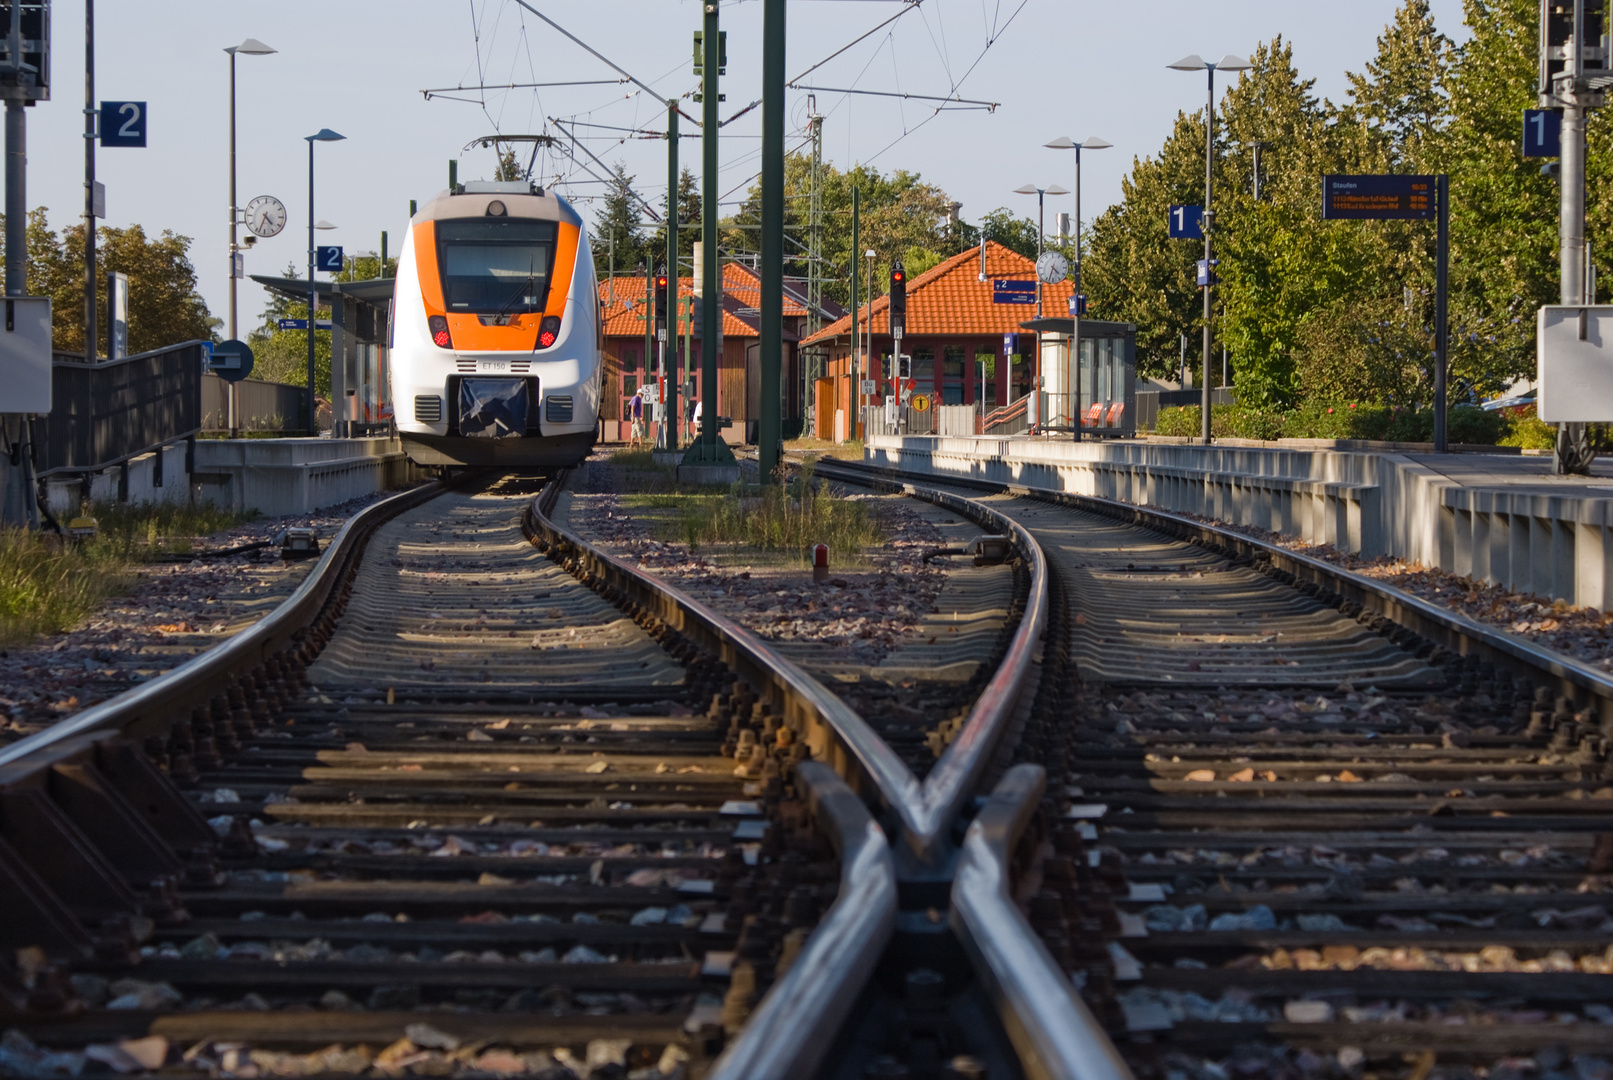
[{"x": 1378, "y": 198}]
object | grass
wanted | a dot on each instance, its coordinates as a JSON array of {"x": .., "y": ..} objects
[
  {"x": 850, "y": 451},
  {"x": 785, "y": 520},
  {"x": 48, "y": 584}
]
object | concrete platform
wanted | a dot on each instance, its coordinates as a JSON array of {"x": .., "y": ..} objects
[
  {"x": 1503, "y": 518},
  {"x": 297, "y": 476}
]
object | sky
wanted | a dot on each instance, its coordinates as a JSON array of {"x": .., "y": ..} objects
[{"x": 1051, "y": 67}]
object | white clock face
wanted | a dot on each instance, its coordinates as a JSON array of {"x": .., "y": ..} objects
[
  {"x": 265, "y": 215},
  {"x": 1052, "y": 267}
]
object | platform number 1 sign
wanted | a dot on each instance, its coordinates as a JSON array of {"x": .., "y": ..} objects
[
  {"x": 1185, "y": 222},
  {"x": 1542, "y": 133},
  {"x": 123, "y": 123}
]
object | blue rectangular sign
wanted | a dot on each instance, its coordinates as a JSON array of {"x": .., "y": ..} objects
[
  {"x": 328, "y": 258},
  {"x": 1377, "y": 198},
  {"x": 302, "y": 324},
  {"x": 123, "y": 123},
  {"x": 1004, "y": 291},
  {"x": 1077, "y": 305},
  {"x": 1542, "y": 133},
  {"x": 1184, "y": 222}
]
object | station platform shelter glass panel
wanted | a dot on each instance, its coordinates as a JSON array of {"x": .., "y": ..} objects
[{"x": 1106, "y": 382}]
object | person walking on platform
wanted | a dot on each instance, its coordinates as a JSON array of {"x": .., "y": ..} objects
[{"x": 637, "y": 432}]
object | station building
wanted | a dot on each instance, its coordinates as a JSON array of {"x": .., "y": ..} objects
[
  {"x": 738, "y": 354},
  {"x": 976, "y": 360}
]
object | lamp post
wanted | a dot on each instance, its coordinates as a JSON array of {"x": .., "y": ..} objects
[
  {"x": 868, "y": 353},
  {"x": 1193, "y": 62},
  {"x": 1035, "y": 411},
  {"x": 1064, "y": 142},
  {"x": 1041, "y": 202},
  {"x": 249, "y": 47},
  {"x": 323, "y": 135}
]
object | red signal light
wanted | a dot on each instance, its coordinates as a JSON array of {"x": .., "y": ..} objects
[
  {"x": 438, "y": 325},
  {"x": 897, "y": 276}
]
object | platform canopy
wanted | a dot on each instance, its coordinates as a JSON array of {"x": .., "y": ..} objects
[{"x": 376, "y": 291}]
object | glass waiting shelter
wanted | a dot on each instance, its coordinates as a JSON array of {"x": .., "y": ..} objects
[{"x": 1105, "y": 397}]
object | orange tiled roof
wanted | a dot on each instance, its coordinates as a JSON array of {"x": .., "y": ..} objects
[
  {"x": 623, "y": 316},
  {"x": 744, "y": 285},
  {"x": 950, "y": 298}
]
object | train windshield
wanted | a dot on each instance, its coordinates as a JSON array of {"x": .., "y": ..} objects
[{"x": 495, "y": 266}]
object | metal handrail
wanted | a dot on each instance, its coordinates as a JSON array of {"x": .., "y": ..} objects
[
  {"x": 1056, "y": 1036},
  {"x": 796, "y": 1023},
  {"x": 150, "y": 707}
]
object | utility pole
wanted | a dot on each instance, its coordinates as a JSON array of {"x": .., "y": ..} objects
[
  {"x": 769, "y": 427},
  {"x": 709, "y": 448},
  {"x": 669, "y": 408},
  {"x": 90, "y": 306},
  {"x": 852, "y": 365},
  {"x": 22, "y": 83},
  {"x": 814, "y": 319},
  {"x": 1565, "y": 83}
]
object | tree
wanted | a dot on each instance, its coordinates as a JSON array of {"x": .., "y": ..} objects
[
  {"x": 282, "y": 355},
  {"x": 689, "y": 220},
  {"x": 1013, "y": 232},
  {"x": 164, "y": 306},
  {"x": 616, "y": 227},
  {"x": 1132, "y": 272},
  {"x": 508, "y": 168}
]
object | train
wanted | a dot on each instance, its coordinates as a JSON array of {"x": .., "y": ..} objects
[{"x": 497, "y": 337}]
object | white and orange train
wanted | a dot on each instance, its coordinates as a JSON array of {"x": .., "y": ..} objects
[{"x": 496, "y": 333}]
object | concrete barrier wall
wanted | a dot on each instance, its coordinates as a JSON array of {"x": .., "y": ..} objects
[
  {"x": 275, "y": 477},
  {"x": 1373, "y": 504}
]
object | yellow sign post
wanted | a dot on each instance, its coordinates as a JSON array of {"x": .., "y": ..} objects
[{"x": 921, "y": 402}]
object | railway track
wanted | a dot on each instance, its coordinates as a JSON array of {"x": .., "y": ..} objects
[
  {"x": 1301, "y": 824},
  {"x": 479, "y": 800}
]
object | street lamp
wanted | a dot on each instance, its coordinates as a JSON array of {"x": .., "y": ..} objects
[
  {"x": 323, "y": 135},
  {"x": 868, "y": 353},
  {"x": 1064, "y": 142},
  {"x": 249, "y": 47},
  {"x": 1193, "y": 62},
  {"x": 1033, "y": 414},
  {"x": 1040, "y": 193}
]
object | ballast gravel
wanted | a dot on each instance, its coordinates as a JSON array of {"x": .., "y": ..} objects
[
  {"x": 1584, "y": 633},
  {"x": 171, "y": 612},
  {"x": 863, "y": 610}
]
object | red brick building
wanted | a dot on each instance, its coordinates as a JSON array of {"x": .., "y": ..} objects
[
  {"x": 738, "y": 361},
  {"x": 955, "y": 335}
]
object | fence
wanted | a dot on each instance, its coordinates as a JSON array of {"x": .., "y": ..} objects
[
  {"x": 1149, "y": 402},
  {"x": 107, "y": 413},
  {"x": 260, "y": 406}
]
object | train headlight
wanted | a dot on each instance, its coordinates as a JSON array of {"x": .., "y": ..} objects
[
  {"x": 549, "y": 331},
  {"x": 438, "y": 324}
]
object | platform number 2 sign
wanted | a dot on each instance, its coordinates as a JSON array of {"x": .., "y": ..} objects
[{"x": 123, "y": 123}]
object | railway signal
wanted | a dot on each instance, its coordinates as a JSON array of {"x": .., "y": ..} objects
[
  {"x": 898, "y": 300},
  {"x": 660, "y": 304}
]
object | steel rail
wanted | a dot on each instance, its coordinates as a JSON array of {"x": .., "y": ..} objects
[
  {"x": 149, "y": 708},
  {"x": 796, "y": 1023},
  {"x": 1056, "y": 1036},
  {"x": 961, "y": 769},
  {"x": 830, "y": 728},
  {"x": 1451, "y": 629}
]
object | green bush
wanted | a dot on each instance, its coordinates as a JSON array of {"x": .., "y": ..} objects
[
  {"x": 1337, "y": 420},
  {"x": 1528, "y": 430}
]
